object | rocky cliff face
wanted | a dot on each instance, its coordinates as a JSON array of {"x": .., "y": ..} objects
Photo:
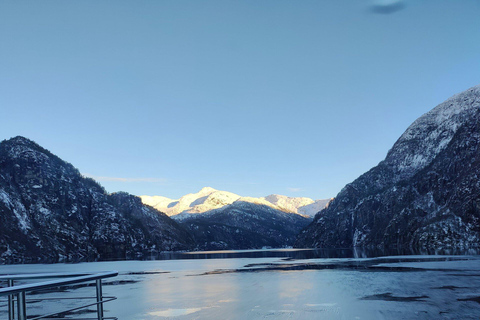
[
  {"x": 425, "y": 193},
  {"x": 50, "y": 212}
]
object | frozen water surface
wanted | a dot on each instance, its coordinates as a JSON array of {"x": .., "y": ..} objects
[{"x": 401, "y": 287}]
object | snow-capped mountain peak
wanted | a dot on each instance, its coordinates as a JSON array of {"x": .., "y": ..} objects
[
  {"x": 207, "y": 190},
  {"x": 208, "y": 199}
]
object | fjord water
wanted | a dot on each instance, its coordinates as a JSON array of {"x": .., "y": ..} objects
[{"x": 280, "y": 284}]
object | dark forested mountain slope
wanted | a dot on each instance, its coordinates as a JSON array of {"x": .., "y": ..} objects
[
  {"x": 50, "y": 212},
  {"x": 425, "y": 193},
  {"x": 244, "y": 225}
]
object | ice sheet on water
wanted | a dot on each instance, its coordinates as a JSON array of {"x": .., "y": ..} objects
[{"x": 187, "y": 289}]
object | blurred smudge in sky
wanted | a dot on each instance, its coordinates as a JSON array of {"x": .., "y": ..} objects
[{"x": 387, "y": 6}]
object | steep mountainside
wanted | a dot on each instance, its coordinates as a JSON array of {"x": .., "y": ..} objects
[
  {"x": 50, "y": 212},
  {"x": 244, "y": 225},
  {"x": 209, "y": 199},
  {"x": 425, "y": 193}
]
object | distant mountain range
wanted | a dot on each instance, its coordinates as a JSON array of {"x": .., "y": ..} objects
[
  {"x": 209, "y": 199},
  {"x": 224, "y": 220},
  {"x": 426, "y": 193}
]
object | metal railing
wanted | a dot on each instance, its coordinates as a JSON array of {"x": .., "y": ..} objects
[{"x": 17, "y": 293}]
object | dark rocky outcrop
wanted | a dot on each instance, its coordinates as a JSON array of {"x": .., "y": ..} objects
[{"x": 426, "y": 193}]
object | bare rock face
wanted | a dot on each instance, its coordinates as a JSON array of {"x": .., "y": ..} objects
[
  {"x": 426, "y": 193},
  {"x": 50, "y": 212}
]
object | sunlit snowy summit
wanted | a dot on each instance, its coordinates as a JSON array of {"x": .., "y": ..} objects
[
  {"x": 224, "y": 220},
  {"x": 208, "y": 199}
]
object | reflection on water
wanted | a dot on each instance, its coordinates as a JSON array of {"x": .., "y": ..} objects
[
  {"x": 312, "y": 253},
  {"x": 174, "y": 312},
  {"x": 286, "y": 253}
]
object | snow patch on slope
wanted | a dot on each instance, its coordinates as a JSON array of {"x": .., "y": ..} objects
[
  {"x": 299, "y": 205},
  {"x": 431, "y": 133}
]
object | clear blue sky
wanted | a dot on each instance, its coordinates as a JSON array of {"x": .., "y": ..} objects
[{"x": 254, "y": 97}]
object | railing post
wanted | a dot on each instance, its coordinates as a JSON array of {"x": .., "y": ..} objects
[
  {"x": 99, "y": 299},
  {"x": 22, "y": 306},
  {"x": 11, "y": 305}
]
